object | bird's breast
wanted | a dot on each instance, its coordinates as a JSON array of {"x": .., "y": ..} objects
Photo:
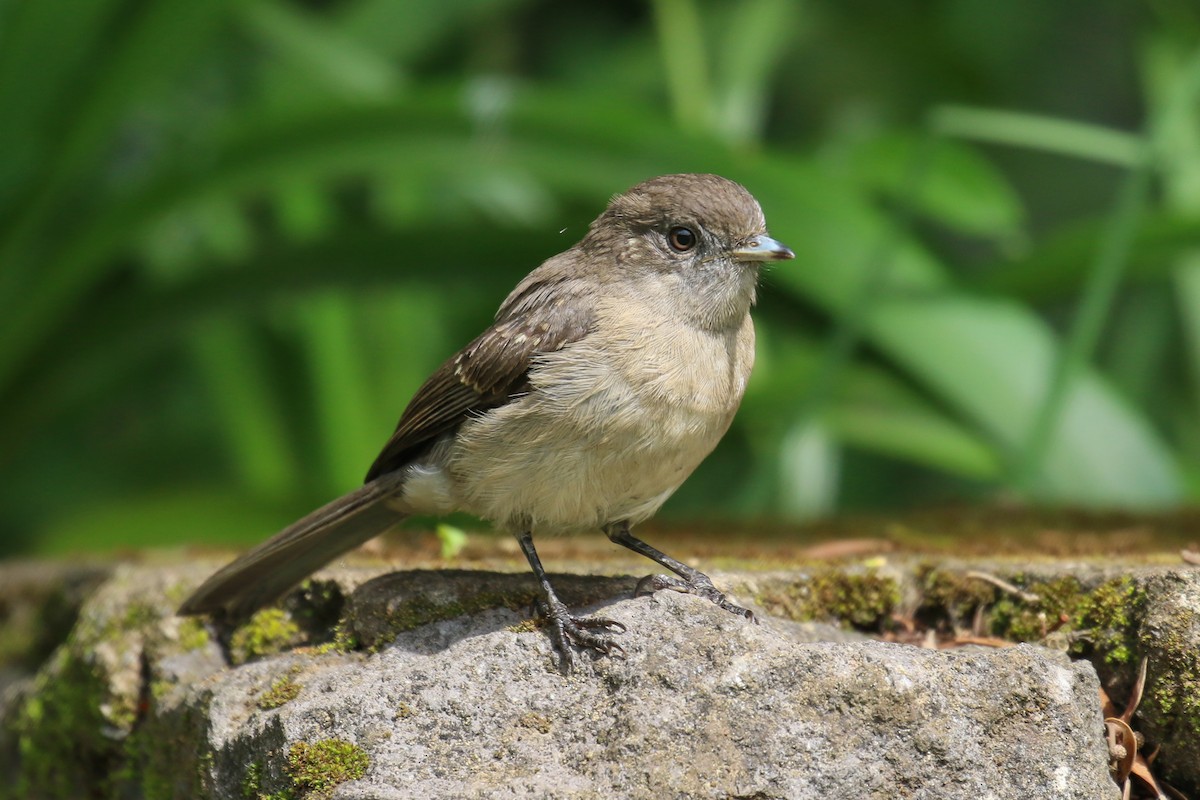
[{"x": 611, "y": 426}]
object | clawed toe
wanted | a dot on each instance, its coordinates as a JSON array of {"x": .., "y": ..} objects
[
  {"x": 599, "y": 623},
  {"x": 654, "y": 583},
  {"x": 701, "y": 586},
  {"x": 568, "y": 632}
]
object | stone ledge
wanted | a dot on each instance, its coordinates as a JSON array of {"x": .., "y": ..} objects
[{"x": 435, "y": 684}]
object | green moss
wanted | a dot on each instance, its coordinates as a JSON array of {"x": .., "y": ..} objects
[
  {"x": 144, "y": 768},
  {"x": 192, "y": 634},
  {"x": 863, "y": 599},
  {"x": 60, "y": 734},
  {"x": 1173, "y": 688},
  {"x": 284, "y": 690},
  {"x": 1098, "y": 622},
  {"x": 269, "y": 631},
  {"x": 317, "y": 769},
  {"x": 317, "y": 607},
  {"x": 343, "y": 641},
  {"x": 74, "y": 728},
  {"x": 139, "y": 615},
  {"x": 1105, "y": 619},
  {"x": 252, "y": 783},
  {"x": 89, "y": 725},
  {"x": 1014, "y": 618},
  {"x": 1176, "y": 697},
  {"x": 167, "y": 753},
  {"x": 421, "y": 611},
  {"x": 252, "y": 786},
  {"x": 953, "y": 593}
]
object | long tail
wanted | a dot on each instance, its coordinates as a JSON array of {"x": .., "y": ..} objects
[{"x": 265, "y": 573}]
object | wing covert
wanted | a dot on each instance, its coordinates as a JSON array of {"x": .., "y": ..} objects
[{"x": 491, "y": 370}]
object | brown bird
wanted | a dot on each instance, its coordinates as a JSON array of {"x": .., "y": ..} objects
[{"x": 610, "y": 372}]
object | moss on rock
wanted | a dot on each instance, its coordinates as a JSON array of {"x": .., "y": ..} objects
[
  {"x": 317, "y": 769},
  {"x": 1168, "y": 633},
  {"x": 859, "y": 598},
  {"x": 951, "y": 595},
  {"x": 283, "y": 690},
  {"x": 1106, "y": 618},
  {"x": 60, "y": 732},
  {"x": 1021, "y": 620},
  {"x": 192, "y": 634},
  {"x": 269, "y": 631},
  {"x": 86, "y": 726}
]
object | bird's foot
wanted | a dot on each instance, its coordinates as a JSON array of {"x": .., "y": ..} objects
[
  {"x": 700, "y": 585},
  {"x": 568, "y": 631}
]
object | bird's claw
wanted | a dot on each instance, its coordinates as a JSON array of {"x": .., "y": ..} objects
[
  {"x": 568, "y": 631},
  {"x": 701, "y": 586}
]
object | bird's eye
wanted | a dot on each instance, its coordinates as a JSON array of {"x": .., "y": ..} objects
[{"x": 682, "y": 239}]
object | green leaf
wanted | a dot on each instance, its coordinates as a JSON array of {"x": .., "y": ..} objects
[
  {"x": 1040, "y": 132},
  {"x": 341, "y": 385},
  {"x": 685, "y": 62},
  {"x": 954, "y": 186},
  {"x": 991, "y": 360},
  {"x": 232, "y": 365},
  {"x": 809, "y": 470},
  {"x": 1187, "y": 292},
  {"x": 873, "y": 409},
  {"x": 452, "y": 539},
  {"x": 36, "y": 89},
  {"x": 105, "y": 342},
  {"x": 756, "y": 39},
  {"x": 880, "y": 414},
  {"x": 311, "y": 46},
  {"x": 836, "y": 233},
  {"x": 410, "y": 29},
  {"x": 1057, "y": 267},
  {"x": 44, "y": 274}
]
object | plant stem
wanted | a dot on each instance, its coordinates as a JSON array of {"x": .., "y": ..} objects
[
  {"x": 681, "y": 40},
  {"x": 1095, "y": 306},
  {"x": 1037, "y": 132}
]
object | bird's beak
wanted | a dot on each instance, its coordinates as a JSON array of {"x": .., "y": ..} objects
[{"x": 763, "y": 248}]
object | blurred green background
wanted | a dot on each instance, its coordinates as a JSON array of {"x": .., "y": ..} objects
[{"x": 235, "y": 236}]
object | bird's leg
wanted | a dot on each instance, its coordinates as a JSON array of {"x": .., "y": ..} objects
[
  {"x": 565, "y": 628},
  {"x": 690, "y": 580}
]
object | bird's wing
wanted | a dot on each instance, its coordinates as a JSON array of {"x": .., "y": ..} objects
[{"x": 540, "y": 316}]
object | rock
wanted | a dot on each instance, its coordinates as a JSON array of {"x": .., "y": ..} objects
[
  {"x": 39, "y": 602},
  {"x": 1168, "y": 634},
  {"x": 68, "y": 730},
  {"x": 139, "y": 703},
  {"x": 400, "y": 601}
]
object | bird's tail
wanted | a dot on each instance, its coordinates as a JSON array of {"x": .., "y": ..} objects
[{"x": 265, "y": 573}]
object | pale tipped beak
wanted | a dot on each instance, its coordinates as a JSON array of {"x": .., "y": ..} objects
[{"x": 763, "y": 248}]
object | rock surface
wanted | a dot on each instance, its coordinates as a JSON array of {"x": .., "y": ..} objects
[
  {"x": 139, "y": 703},
  {"x": 704, "y": 705},
  {"x": 1168, "y": 633}
]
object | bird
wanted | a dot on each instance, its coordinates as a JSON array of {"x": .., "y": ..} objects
[{"x": 609, "y": 373}]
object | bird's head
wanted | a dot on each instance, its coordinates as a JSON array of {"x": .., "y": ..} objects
[{"x": 703, "y": 236}]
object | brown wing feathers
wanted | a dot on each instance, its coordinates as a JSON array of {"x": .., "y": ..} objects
[{"x": 488, "y": 372}]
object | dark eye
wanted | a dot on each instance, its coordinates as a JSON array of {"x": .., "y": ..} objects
[{"x": 682, "y": 239}]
